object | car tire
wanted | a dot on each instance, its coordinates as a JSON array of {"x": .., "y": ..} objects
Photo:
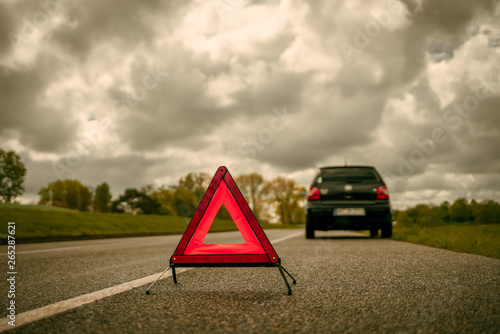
[
  {"x": 309, "y": 230},
  {"x": 373, "y": 232},
  {"x": 387, "y": 228}
]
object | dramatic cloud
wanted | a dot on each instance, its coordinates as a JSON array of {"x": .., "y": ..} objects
[{"x": 136, "y": 93}]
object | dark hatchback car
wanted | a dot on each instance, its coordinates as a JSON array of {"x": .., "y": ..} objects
[{"x": 348, "y": 198}]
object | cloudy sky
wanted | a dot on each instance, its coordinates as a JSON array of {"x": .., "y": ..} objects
[{"x": 141, "y": 92}]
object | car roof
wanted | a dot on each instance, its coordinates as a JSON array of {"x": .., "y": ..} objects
[{"x": 346, "y": 166}]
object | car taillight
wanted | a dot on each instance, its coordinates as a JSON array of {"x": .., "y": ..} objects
[
  {"x": 313, "y": 194},
  {"x": 382, "y": 193}
]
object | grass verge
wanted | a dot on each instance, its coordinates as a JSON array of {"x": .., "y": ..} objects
[
  {"x": 479, "y": 240},
  {"x": 33, "y": 222}
]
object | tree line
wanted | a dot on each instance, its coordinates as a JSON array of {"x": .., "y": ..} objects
[
  {"x": 279, "y": 198},
  {"x": 270, "y": 200},
  {"x": 460, "y": 211}
]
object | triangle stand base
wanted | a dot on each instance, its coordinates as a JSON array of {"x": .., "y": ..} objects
[
  {"x": 163, "y": 273},
  {"x": 281, "y": 269}
]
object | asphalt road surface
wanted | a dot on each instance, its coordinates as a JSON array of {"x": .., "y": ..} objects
[{"x": 346, "y": 283}]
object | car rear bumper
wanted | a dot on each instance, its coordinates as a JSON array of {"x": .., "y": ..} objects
[{"x": 320, "y": 215}]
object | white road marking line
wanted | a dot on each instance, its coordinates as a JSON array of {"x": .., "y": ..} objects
[
  {"x": 287, "y": 237},
  {"x": 69, "y": 304},
  {"x": 52, "y": 249},
  {"x": 62, "y": 248},
  {"x": 49, "y": 250}
]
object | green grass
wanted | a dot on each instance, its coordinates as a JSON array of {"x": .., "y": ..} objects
[
  {"x": 44, "y": 222},
  {"x": 480, "y": 240},
  {"x": 32, "y": 207}
]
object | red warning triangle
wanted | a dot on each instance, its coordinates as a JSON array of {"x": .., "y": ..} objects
[{"x": 257, "y": 250}]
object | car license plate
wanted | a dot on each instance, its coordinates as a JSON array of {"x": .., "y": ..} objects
[{"x": 349, "y": 212}]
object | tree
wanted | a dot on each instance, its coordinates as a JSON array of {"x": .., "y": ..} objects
[
  {"x": 67, "y": 194},
  {"x": 460, "y": 211},
  {"x": 134, "y": 201},
  {"x": 404, "y": 220},
  {"x": 164, "y": 196},
  {"x": 284, "y": 195},
  {"x": 102, "y": 198},
  {"x": 252, "y": 186},
  {"x": 472, "y": 206},
  {"x": 421, "y": 215},
  {"x": 196, "y": 182},
  {"x": 185, "y": 201},
  {"x": 487, "y": 212},
  {"x": 444, "y": 212},
  {"x": 85, "y": 196},
  {"x": 413, "y": 213},
  {"x": 395, "y": 214},
  {"x": 12, "y": 174},
  {"x": 72, "y": 188},
  {"x": 430, "y": 216},
  {"x": 183, "y": 198}
]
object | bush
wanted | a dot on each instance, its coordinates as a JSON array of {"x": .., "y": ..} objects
[
  {"x": 404, "y": 220},
  {"x": 424, "y": 215},
  {"x": 460, "y": 211},
  {"x": 487, "y": 212}
]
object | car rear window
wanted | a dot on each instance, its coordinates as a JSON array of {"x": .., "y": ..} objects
[{"x": 351, "y": 174}]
